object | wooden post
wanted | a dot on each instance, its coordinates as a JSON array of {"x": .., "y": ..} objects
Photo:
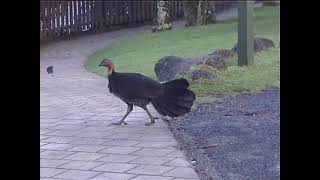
[
  {"x": 245, "y": 33},
  {"x": 99, "y": 15}
]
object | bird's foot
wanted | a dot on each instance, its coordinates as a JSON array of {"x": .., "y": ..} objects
[
  {"x": 119, "y": 123},
  {"x": 152, "y": 121},
  {"x": 149, "y": 124}
]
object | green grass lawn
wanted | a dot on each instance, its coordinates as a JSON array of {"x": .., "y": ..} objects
[{"x": 140, "y": 53}]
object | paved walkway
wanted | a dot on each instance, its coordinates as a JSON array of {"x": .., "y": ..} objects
[{"x": 76, "y": 139}]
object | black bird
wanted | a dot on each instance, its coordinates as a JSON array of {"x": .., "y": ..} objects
[
  {"x": 50, "y": 70},
  {"x": 172, "y": 98}
]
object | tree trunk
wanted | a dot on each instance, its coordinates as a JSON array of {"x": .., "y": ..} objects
[
  {"x": 206, "y": 12},
  {"x": 190, "y": 12},
  {"x": 199, "y": 12},
  {"x": 163, "y": 19}
]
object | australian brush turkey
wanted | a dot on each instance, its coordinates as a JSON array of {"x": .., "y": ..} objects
[{"x": 172, "y": 98}]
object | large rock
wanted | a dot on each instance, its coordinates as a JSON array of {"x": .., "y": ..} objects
[
  {"x": 201, "y": 74},
  {"x": 217, "y": 58},
  {"x": 224, "y": 53},
  {"x": 215, "y": 61},
  {"x": 260, "y": 44},
  {"x": 169, "y": 66}
]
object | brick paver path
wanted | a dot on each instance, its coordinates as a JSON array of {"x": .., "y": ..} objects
[{"x": 76, "y": 138}]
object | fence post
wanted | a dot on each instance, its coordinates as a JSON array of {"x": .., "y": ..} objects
[
  {"x": 245, "y": 33},
  {"x": 97, "y": 15}
]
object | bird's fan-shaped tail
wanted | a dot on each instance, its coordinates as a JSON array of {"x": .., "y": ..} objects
[{"x": 177, "y": 99}]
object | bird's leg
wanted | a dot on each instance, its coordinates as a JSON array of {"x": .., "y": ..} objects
[
  {"x": 151, "y": 117},
  {"x": 129, "y": 109}
]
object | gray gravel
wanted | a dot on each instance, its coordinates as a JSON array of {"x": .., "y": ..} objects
[{"x": 243, "y": 132}]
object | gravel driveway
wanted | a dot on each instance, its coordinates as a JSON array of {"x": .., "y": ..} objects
[{"x": 235, "y": 138}]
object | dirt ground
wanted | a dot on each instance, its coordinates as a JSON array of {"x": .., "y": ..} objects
[{"x": 235, "y": 138}]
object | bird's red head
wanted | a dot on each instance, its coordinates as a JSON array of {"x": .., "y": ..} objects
[{"x": 107, "y": 63}]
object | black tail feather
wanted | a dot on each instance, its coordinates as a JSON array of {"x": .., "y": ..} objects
[
  {"x": 180, "y": 103},
  {"x": 162, "y": 109},
  {"x": 177, "y": 99},
  {"x": 175, "y": 109}
]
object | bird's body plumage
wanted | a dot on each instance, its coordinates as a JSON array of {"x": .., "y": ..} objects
[
  {"x": 133, "y": 86},
  {"x": 172, "y": 98}
]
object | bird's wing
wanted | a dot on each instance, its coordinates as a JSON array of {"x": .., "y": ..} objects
[{"x": 133, "y": 85}]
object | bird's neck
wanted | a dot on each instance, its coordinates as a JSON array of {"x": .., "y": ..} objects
[{"x": 110, "y": 70}]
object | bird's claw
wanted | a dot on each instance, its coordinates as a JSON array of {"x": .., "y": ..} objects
[
  {"x": 149, "y": 124},
  {"x": 119, "y": 123}
]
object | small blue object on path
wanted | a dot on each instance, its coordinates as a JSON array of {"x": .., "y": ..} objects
[{"x": 50, "y": 70}]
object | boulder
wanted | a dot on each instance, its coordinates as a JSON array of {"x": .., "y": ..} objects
[
  {"x": 218, "y": 57},
  {"x": 224, "y": 53},
  {"x": 201, "y": 74},
  {"x": 260, "y": 44},
  {"x": 169, "y": 66}
]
